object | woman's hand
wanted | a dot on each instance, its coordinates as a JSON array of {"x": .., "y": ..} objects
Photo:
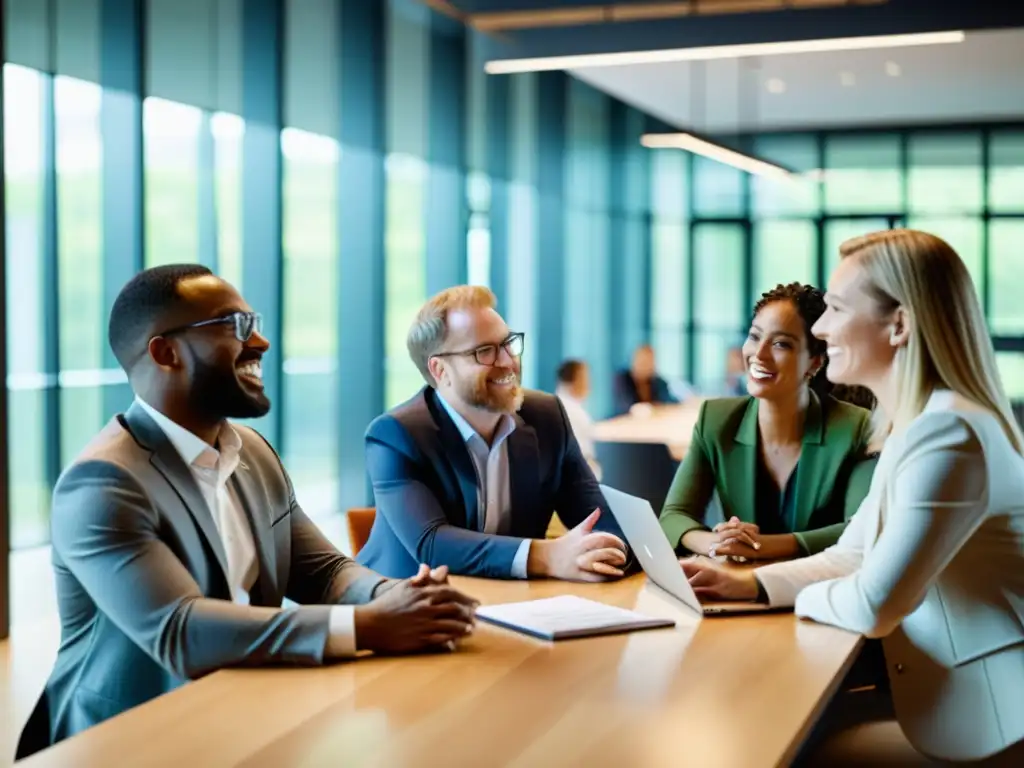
[
  {"x": 734, "y": 539},
  {"x": 741, "y": 542},
  {"x": 712, "y": 582},
  {"x": 738, "y": 539}
]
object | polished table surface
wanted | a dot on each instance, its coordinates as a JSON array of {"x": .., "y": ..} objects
[
  {"x": 737, "y": 691},
  {"x": 671, "y": 425}
]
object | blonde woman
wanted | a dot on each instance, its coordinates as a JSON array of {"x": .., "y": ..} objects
[{"x": 933, "y": 561}]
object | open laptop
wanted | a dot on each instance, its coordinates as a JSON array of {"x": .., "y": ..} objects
[{"x": 640, "y": 526}]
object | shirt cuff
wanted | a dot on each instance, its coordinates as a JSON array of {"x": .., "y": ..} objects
[
  {"x": 519, "y": 562},
  {"x": 780, "y": 590},
  {"x": 678, "y": 525},
  {"x": 762, "y": 594},
  {"x": 802, "y": 546},
  {"x": 341, "y": 632}
]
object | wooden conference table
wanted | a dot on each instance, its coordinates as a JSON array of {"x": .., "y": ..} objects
[{"x": 739, "y": 691}]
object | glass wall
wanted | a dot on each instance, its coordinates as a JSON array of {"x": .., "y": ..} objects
[
  {"x": 172, "y": 137},
  {"x": 966, "y": 186},
  {"x": 359, "y": 134},
  {"x": 719, "y": 309},
  {"x": 129, "y": 156},
  {"x": 523, "y": 215},
  {"x": 405, "y": 275},
  {"x": 784, "y": 231},
  {"x": 785, "y": 251},
  {"x": 80, "y": 264},
  {"x": 228, "y": 131},
  {"x": 670, "y": 264},
  {"x": 31, "y": 382},
  {"x": 310, "y": 342},
  {"x": 478, "y": 236},
  {"x": 945, "y": 193},
  {"x": 406, "y": 171},
  {"x": 587, "y": 238}
]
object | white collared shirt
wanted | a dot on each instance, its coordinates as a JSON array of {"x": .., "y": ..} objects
[
  {"x": 582, "y": 427},
  {"x": 493, "y": 480},
  {"x": 211, "y": 470}
]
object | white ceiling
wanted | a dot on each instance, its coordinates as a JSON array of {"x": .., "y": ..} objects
[{"x": 979, "y": 79}]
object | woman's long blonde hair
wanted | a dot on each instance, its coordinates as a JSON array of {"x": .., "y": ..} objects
[{"x": 949, "y": 346}]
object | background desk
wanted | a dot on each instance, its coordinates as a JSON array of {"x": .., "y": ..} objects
[
  {"x": 640, "y": 454},
  {"x": 740, "y": 691},
  {"x": 670, "y": 425}
]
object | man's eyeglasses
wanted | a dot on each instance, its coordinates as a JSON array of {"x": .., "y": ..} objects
[
  {"x": 487, "y": 354},
  {"x": 246, "y": 324}
]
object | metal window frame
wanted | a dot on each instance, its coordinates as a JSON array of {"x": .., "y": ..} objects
[
  {"x": 261, "y": 194},
  {"x": 123, "y": 209},
  {"x": 5, "y": 493},
  {"x": 361, "y": 232}
]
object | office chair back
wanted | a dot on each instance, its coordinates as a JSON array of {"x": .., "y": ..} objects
[
  {"x": 360, "y": 523},
  {"x": 639, "y": 469}
]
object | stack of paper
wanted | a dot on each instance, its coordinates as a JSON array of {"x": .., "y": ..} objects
[{"x": 567, "y": 616}]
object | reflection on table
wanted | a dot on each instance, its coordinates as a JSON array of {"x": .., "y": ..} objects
[{"x": 740, "y": 691}]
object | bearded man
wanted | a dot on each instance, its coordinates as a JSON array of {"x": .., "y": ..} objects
[
  {"x": 468, "y": 472},
  {"x": 177, "y": 535}
]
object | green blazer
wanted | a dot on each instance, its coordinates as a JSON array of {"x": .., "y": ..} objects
[{"x": 832, "y": 476}]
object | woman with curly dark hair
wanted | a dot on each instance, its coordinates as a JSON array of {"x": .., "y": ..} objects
[{"x": 788, "y": 461}]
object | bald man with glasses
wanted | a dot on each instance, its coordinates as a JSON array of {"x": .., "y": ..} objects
[{"x": 469, "y": 471}]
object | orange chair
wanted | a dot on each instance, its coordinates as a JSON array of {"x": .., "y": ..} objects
[{"x": 360, "y": 521}]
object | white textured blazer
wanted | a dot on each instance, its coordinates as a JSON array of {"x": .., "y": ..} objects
[{"x": 933, "y": 562}]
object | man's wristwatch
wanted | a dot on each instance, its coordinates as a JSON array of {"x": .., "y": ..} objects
[{"x": 381, "y": 587}]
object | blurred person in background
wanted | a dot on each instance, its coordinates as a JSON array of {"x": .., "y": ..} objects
[
  {"x": 735, "y": 373},
  {"x": 573, "y": 389},
  {"x": 641, "y": 383}
]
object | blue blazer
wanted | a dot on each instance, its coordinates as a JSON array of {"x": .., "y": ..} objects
[{"x": 425, "y": 488}]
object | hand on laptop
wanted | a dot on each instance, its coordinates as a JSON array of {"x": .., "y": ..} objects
[
  {"x": 712, "y": 582},
  {"x": 579, "y": 555},
  {"x": 414, "y": 614}
]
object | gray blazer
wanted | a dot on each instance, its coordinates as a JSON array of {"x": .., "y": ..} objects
[{"x": 141, "y": 587}]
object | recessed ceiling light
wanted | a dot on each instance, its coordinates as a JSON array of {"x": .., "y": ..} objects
[
  {"x": 775, "y": 85},
  {"x": 892, "y": 69},
  {"x": 847, "y": 79},
  {"x": 711, "y": 52}
]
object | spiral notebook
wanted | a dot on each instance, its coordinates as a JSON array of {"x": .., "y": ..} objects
[{"x": 567, "y": 616}]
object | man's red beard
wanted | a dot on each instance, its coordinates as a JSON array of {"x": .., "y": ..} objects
[{"x": 507, "y": 399}]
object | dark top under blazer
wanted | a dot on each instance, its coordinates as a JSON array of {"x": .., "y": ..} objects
[
  {"x": 425, "y": 488},
  {"x": 831, "y": 478}
]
